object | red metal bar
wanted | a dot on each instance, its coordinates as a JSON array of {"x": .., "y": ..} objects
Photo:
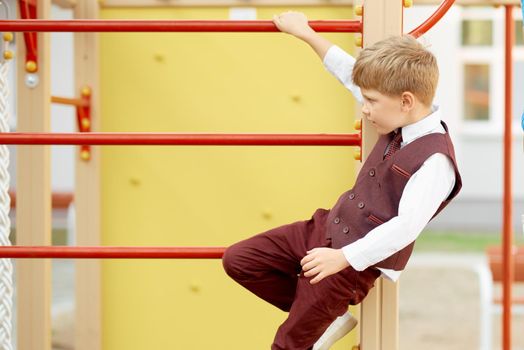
[
  {"x": 334, "y": 26},
  {"x": 63, "y": 252},
  {"x": 516, "y": 300},
  {"x": 433, "y": 19},
  {"x": 69, "y": 101},
  {"x": 83, "y": 117},
  {"x": 164, "y": 139},
  {"x": 59, "y": 200},
  {"x": 507, "y": 239}
]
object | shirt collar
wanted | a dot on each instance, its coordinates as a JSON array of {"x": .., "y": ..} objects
[{"x": 422, "y": 127}]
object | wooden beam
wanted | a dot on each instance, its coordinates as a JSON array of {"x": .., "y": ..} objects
[
  {"x": 470, "y": 2},
  {"x": 222, "y": 3},
  {"x": 370, "y": 315},
  {"x": 390, "y": 319},
  {"x": 279, "y": 3},
  {"x": 67, "y": 4},
  {"x": 33, "y": 211},
  {"x": 379, "y": 311},
  {"x": 88, "y": 321}
]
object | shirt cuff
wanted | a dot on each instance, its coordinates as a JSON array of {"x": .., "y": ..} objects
[{"x": 355, "y": 258}]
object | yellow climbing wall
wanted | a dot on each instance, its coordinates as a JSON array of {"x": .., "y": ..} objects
[{"x": 214, "y": 196}]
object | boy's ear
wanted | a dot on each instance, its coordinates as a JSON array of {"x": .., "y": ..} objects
[{"x": 407, "y": 100}]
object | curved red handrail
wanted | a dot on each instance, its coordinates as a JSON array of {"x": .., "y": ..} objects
[
  {"x": 99, "y": 26},
  {"x": 64, "y": 252},
  {"x": 433, "y": 19}
]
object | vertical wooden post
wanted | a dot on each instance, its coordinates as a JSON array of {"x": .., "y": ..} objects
[
  {"x": 33, "y": 204},
  {"x": 87, "y": 191},
  {"x": 389, "y": 319},
  {"x": 379, "y": 311}
]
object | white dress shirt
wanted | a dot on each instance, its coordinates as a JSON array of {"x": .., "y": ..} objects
[{"x": 425, "y": 191}]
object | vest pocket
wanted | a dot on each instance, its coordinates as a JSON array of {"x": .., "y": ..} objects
[
  {"x": 374, "y": 219},
  {"x": 400, "y": 171}
]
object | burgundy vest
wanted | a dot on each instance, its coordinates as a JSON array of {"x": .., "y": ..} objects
[{"x": 375, "y": 197}]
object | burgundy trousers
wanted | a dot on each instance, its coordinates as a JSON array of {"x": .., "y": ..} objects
[{"x": 268, "y": 265}]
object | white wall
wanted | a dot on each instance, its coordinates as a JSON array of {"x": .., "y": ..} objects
[
  {"x": 63, "y": 118},
  {"x": 479, "y": 151}
]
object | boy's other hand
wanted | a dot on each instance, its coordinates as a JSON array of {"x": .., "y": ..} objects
[
  {"x": 323, "y": 262},
  {"x": 294, "y": 23}
]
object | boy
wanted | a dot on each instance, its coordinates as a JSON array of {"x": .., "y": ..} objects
[{"x": 315, "y": 268}]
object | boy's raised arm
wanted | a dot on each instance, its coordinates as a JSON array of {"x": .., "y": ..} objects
[
  {"x": 296, "y": 24},
  {"x": 338, "y": 62}
]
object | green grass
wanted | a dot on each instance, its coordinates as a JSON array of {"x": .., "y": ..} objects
[{"x": 452, "y": 241}]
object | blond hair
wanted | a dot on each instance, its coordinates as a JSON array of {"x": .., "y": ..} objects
[{"x": 396, "y": 65}]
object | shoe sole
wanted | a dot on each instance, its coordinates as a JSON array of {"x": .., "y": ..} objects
[{"x": 330, "y": 337}]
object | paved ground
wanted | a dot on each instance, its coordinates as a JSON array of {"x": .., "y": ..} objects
[
  {"x": 439, "y": 305},
  {"x": 63, "y": 304}
]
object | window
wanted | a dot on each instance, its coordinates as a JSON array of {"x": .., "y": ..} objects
[
  {"x": 518, "y": 33},
  {"x": 481, "y": 57},
  {"x": 477, "y": 32},
  {"x": 476, "y": 91},
  {"x": 518, "y": 90}
]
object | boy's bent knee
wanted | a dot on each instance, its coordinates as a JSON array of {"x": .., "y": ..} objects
[{"x": 231, "y": 262}]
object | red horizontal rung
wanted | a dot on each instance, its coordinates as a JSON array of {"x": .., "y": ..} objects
[
  {"x": 69, "y": 101},
  {"x": 59, "y": 200},
  {"x": 164, "y": 139},
  {"x": 515, "y": 300},
  {"x": 63, "y": 252},
  {"x": 39, "y": 25}
]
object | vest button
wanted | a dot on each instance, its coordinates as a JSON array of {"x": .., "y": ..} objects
[
  {"x": 352, "y": 196},
  {"x": 336, "y": 221},
  {"x": 372, "y": 172},
  {"x": 345, "y": 229},
  {"x": 361, "y": 205}
]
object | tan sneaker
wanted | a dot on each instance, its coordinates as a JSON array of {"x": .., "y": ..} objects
[{"x": 336, "y": 330}]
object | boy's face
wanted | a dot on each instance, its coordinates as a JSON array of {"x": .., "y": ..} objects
[{"x": 384, "y": 112}]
